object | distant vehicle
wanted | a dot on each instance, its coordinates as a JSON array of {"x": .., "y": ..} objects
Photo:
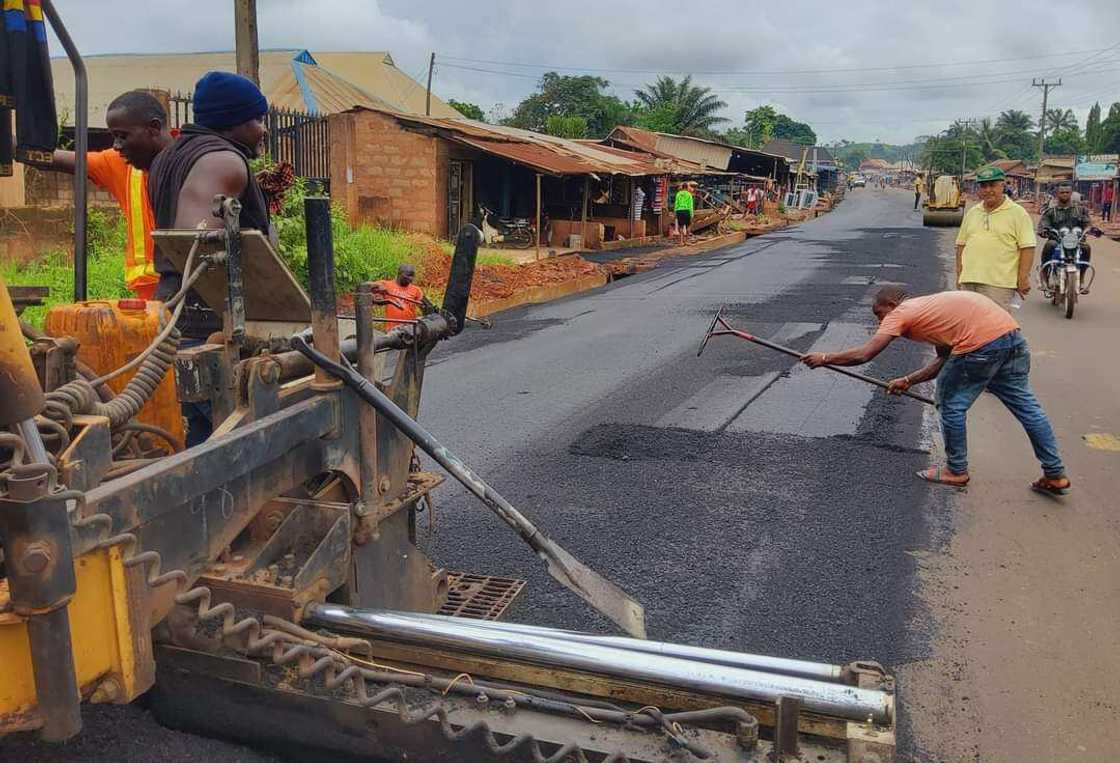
[{"x": 859, "y": 181}]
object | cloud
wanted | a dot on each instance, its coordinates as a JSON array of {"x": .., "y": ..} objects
[{"x": 905, "y": 63}]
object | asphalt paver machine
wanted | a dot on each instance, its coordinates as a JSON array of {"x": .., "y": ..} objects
[{"x": 266, "y": 585}]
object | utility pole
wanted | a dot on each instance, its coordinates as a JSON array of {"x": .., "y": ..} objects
[
  {"x": 966, "y": 124},
  {"x": 248, "y": 52},
  {"x": 1042, "y": 128},
  {"x": 428, "y": 101}
]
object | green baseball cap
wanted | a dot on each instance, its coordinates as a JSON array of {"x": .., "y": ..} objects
[{"x": 988, "y": 174}]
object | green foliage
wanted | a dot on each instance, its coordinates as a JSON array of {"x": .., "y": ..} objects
[
  {"x": 469, "y": 110},
  {"x": 1093, "y": 129},
  {"x": 760, "y": 124},
  {"x": 566, "y": 127},
  {"x": 1058, "y": 120},
  {"x": 55, "y": 269},
  {"x": 737, "y": 136},
  {"x": 1110, "y": 132},
  {"x": 361, "y": 253},
  {"x": 1064, "y": 140},
  {"x": 1015, "y": 136},
  {"x": 798, "y": 132},
  {"x": 572, "y": 96},
  {"x": 680, "y": 107}
]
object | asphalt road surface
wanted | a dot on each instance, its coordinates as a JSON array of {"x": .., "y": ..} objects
[{"x": 747, "y": 502}]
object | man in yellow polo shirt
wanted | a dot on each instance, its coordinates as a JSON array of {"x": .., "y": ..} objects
[{"x": 995, "y": 245}]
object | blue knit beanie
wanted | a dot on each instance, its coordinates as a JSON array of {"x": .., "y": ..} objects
[{"x": 224, "y": 100}]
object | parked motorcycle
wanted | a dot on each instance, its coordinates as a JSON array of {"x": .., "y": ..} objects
[
  {"x": 1063, "y": 277},
  {"x": 515, "y": 231}
]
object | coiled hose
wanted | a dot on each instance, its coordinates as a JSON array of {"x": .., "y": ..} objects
[{"x": 80, "y": 396}]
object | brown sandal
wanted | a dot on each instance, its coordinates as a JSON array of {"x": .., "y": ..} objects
[
  {"x": 937, "y": 474},
  {"x": 1052, "y": 485}
]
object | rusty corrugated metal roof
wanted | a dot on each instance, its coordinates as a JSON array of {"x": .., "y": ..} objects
[{"x": 546, "y": 153}]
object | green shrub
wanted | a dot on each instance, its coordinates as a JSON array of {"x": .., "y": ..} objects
[{"x": 106, "y": 236}]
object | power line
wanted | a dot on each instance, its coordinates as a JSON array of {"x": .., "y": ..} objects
[
  {"x": 767, "y": 72},
  {"x": 887, "y": 86}
]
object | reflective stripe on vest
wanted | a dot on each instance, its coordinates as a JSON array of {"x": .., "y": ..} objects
[{"x": 137, "y": 268}]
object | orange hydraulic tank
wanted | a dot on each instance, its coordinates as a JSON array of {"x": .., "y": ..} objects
[{"x": 113, "y": 332}]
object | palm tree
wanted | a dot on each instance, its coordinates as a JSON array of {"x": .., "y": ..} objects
[
  {"x": 693, "y": 110},
  {"x": 1014, "y": 121},
  {"x": 1058, "y": 119},
  {"x": 988, "y": 138}
]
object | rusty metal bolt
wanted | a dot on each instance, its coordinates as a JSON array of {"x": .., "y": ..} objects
[
  {"x": 107, "y": 691},
  {"x": 36, "y": 558},
  {"x": 270, "y": 372},
  {"x": 509, "y": 705},
  {"x": 746, "y": 733},
  {"x": 482, "y": 700},
  {"x": 273, "y": 520},
  {"x": 384, "y": 485}
]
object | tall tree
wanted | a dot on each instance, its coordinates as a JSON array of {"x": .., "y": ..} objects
[
  {"x": 798, "y": 132},
  {"x": 987, "y": 137},
  {"x": 1058, "y": 120},
  {"x": 568, "y": 96},
  {"x": 1016, "y": 138},
  {"x": 469, "y": 110},
  {"x": 1110, "y": 132},
  {"x": 694, "y": 109},
  {"x": 1093, "y": 129},
  {"x": 566, "y": 127},
  {"x": 760, "y": 125}
]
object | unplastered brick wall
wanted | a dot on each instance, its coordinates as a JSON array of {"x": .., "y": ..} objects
[
  {"x": 386, "y": 175},
  {"x": 44, "y": 188}
]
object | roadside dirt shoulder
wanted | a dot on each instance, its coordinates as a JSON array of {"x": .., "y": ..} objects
[{"x": 1026, "y": 597}]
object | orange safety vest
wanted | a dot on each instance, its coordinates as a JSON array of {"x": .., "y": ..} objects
[{"x": 129, "y": 186}]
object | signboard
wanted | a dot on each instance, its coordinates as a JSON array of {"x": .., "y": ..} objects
[{"x": 1096, "y": 167}]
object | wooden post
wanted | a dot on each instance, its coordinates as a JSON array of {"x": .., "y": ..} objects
[
  {"x": 539, "y": 231},
  {"x": 428, "y": 99},
  {"x": 245, "y": 36},
  {"x": 630, "y": 208},
  {"x": 583, "y": 215}
]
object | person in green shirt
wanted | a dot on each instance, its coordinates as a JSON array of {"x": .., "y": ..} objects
[{"x": 683, "y": 206}]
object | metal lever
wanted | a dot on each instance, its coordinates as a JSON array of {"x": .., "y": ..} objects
[{"x": 229, "y": 210}]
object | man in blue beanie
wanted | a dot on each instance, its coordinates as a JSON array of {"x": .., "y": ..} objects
[{"x": 210, "y": 157}]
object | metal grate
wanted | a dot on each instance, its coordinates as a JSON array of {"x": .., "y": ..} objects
[{"x": 479, "y": 597}]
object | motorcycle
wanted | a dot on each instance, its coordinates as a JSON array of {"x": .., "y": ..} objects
[
  {"x": 515, "y": 231},
  {"x": 1063, "y": 276}
]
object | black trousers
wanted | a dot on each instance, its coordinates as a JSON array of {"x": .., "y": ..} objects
[{"x": 917, "y": 198}]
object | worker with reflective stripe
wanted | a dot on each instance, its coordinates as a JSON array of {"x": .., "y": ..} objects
[{"x": 138, "y": 123}]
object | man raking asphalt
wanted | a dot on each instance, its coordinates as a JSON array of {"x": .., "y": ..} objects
[{"x": 979, "y": 347}]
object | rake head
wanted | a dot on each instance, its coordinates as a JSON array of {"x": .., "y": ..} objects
[{"x": 718, "y": 319}]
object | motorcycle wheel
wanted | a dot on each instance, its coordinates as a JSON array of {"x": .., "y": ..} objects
[
  {"x": 1071, "y": 294},
  {"x": 1056, "y": 291},
  {"x": 522, "y": 239}
]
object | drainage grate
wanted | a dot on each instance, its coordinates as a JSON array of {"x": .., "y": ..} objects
[{"x": 479, "y": 597}]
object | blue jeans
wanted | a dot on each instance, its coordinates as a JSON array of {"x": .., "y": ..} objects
[
  {"x": 199, "y": 416},
  {"x": 1003, "y": 368}
]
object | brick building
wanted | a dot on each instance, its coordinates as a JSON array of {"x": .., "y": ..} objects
[{"x": 432, "y": 175}]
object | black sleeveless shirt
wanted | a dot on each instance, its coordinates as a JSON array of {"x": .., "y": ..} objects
[{"x": 166, "y": 177}]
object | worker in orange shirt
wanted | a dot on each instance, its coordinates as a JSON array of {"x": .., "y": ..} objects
[
  {"x": 401, "y": 297},
  {"x": 138, "y": 123}
]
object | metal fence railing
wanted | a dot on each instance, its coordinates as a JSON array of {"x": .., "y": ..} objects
[{"x": 296, "y": 137}]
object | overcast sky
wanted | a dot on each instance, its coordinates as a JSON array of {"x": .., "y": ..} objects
[{"x": 857, "y": 69}]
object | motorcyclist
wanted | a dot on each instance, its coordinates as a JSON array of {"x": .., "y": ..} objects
[{"x": 1064, "y": 213}]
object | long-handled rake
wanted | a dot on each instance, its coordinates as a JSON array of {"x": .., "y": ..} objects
[{"x": 729, "y": 330}]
